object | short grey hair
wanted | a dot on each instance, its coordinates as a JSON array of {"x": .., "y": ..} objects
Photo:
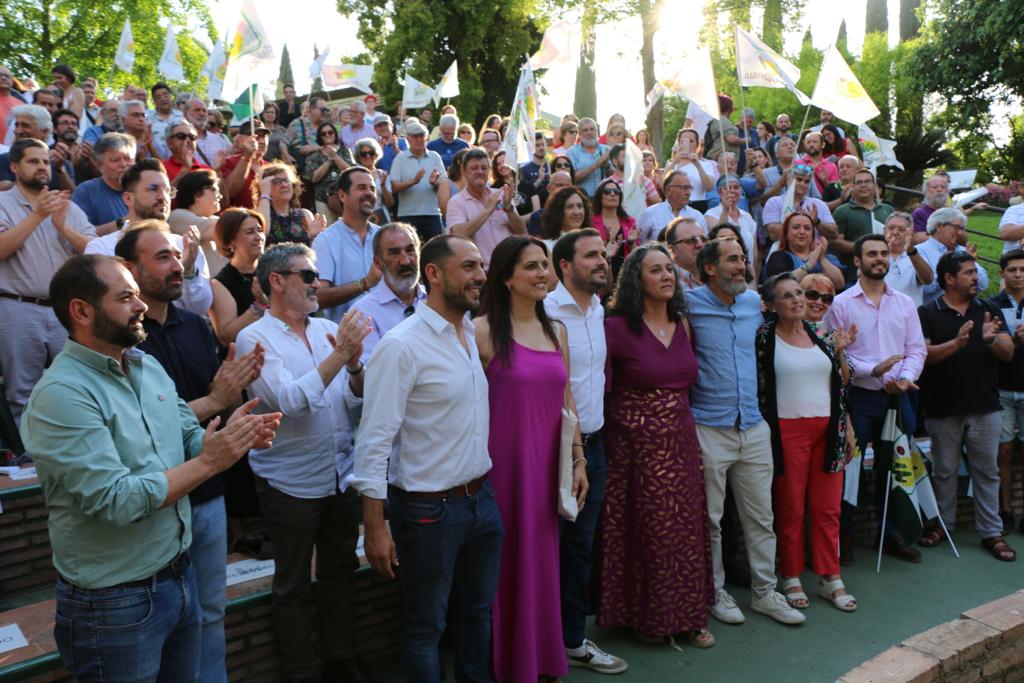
[
  {"x": 396, "y": 226},
  {"x": 449, "y": 120},
  {"x": 277, "y": 258},
  {"x": 924, "y": 185},
  {"x": 179, "y": 124},
  {"x": 357, "y": 104},
  {"x": 748, "y": 112},
  {"x": 945, "y": 215},
  {"x": 114, "y": 142},
  {"x": 39, "y": 114},
  {"x": 126, "y": 105},
  {"x": 367, "y": 142}
]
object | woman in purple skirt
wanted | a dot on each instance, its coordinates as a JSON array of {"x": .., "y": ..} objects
[{"x": 521, "y": 350}]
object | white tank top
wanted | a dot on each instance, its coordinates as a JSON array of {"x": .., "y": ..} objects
[{"x": 802, "y": 381}]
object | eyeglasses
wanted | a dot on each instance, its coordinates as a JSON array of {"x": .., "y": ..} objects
[
  {"x": 323, "y": 110},
  {"x": 329, "y": 132},
  {"x": 214, "y": 124},
  {"x": 696, "y": 239},
  {"x": 793, "y": 295},
  {"x": 157, "y": 187},
  {"x": 308, "y": 276},
  {"x": 863, "y": 182},
  {"x": 679, "y": 187},
  {"x": 956, "y": 226},
  {"x": 185, "y": 136},
  {"x": 609, "y": 191},
  {"x": 563, "y": 164},
  {"x": 572, "y": 131},
  {"x": 367, "y": 153},
  {"x": 280, "y": 180},
  {"x": 818, "y": 296}
]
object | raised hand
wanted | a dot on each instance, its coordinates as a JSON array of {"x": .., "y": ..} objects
[
  {"x": 190, "y": 249},
  {"x": 842, "y": 339},
  {"x": 990, "y": 328},
  {"x": 352, "y": 330},
  {"x": 886, "y": 365}
]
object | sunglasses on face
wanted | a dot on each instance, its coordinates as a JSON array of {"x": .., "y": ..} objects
[
  {"x": 185, "y": 136},
  {"x": 611, "y": 191},
  {"x": 563, "y": 165},
  {"x": 308, "y": 276},
  {"x": 367, "y": 153},
  {"x": 329, "y": 132},
  {"x": 818, "y": 296}
]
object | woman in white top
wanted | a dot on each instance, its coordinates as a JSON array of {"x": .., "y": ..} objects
[
  {"x": 686, "y": 157},
  {"x": 803, "y": 399}
]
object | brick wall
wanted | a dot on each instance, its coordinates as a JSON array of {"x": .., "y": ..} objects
[{"x": 25, "y": 556}]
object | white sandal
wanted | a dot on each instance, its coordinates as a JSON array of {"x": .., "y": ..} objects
[
  {"x": 846, "y": 603},
  {"x": 795, "y": 595}
]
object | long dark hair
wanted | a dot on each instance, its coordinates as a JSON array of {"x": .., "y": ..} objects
[
  {"x": 551, "y": 219},
  {"x": 595, "y": 201},
  {"x": 838, "y": 145},
  {"x": 496, "y": 303},
  {"x": 628, "y": 299}
]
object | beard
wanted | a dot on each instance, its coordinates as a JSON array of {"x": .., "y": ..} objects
[
  {"x": 123, "y": 335},
  {"x": 937, "y": 200},
  {"x": 731, "y": 286},
  {"x": 458, "y": 299},
  {"x": 876, "y": 273},
  {"x": 403, "y": 283}
]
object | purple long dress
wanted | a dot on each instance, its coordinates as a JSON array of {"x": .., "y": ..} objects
[
  {"x": 526, "y": 416},
  {"x": 655, "y": 574}
]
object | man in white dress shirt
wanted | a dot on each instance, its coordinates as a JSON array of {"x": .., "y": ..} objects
[
  {"x": 654, "y": 219},
  {"x": 396, "y": 254},
  {"x": 312, "y": 375},
  {"x": 423, "y": 448}
]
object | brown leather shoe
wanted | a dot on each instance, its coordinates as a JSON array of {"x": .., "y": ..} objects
[{"x": 895, "y": 545}]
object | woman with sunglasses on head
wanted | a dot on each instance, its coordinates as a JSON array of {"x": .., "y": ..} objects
[
  {"x": 800, "y": 253},
  {"x": 324, "y": 167},
  {"x": 802, "y": 392},
  {"x": 278, "y": 203},
  {"x": 367, "y": 152}
]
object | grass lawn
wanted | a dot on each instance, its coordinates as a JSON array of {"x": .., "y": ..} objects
[{"x": 988, "y": 247}]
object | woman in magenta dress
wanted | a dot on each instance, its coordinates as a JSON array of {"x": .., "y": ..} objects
[
  {"x": 656, "y": 555},
  {"x": 520, "y": 348}
]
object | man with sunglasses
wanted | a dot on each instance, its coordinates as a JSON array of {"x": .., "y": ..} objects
[
  {"x": 685, "y": 238},
  {"x": 181, "y": 141},
  {"x": 313, "y": 375},
  {"x": 945, "y": 228},
  {"x": 887, "y": 356}
]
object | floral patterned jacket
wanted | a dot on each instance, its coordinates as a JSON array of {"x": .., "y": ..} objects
[{"x": 835, "y": 450}]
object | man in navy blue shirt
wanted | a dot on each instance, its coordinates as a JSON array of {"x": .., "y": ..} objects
[
  {"x": 101, "y": 198},
  {"x": 447, "y": 145}
]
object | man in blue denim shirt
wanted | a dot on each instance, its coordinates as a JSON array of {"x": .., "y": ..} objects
[
  {"x": 117, "y": 453},
  {"x": 734, "y": 438}
]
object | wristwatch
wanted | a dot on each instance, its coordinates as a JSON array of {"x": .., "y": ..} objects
[{"x": 912, "y": 251}]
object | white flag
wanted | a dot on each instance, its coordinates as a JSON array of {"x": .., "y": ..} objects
[
  {"x": 416, "y": 94},
  {"x": 216, "y": 65},
  {"x": 519, "y": 142},
  {"x": 250, "y": 55},
  {"x": 839, "y": 91},
  {"x": 634, "y": 186},
  {"x": 449, "y": 85},
  {"x": 318, "y": 64},
  {"x": 652, "y": 97},
  {"x": 555, "y": 46},
  {"x": 760, "y": 66},
  {"x": 696, "y": 81},
  {"x": 124, "y": 59},
  {"x": 356, "y": 76},
  {"x": 169, "y": 65},
  {"x": 877, "y": 151}
]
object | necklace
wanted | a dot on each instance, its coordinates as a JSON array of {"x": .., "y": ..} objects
[{"x": 661, "y": 331}]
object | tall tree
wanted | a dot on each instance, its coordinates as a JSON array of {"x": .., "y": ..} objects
[
  {"x": 771, "y": 24},
  {"x": 36, "y": 34},
  {"x": 284, "y": 74},
  {"x": 585, "y": 98},
  {"x": 650, "y": 21},
  {"x": 488, "y": 37},
  {"x": 876, "y": 18},
  {"x": 910, "y": 24}
]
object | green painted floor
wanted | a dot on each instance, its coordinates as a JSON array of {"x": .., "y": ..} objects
[{"x": 902, "y": 600}]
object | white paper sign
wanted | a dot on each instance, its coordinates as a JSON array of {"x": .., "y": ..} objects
[
  {"x": 11, "y": 638},
  {"x": 247, "y": 570}
]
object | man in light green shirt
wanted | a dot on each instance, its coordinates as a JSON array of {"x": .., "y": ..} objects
[{"x": 117, "y": 452}]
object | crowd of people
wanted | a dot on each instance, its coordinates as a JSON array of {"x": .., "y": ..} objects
[{"x": 336, "y": 317}]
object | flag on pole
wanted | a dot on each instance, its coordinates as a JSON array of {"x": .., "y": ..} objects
[
  {"x": 241, "y": 107},
  {"x": 170, "y": 66},
  {"x": 449, "y": 85},
  {"x": 519, "y": 142},
  {"x": 416, "y": 94},
  {"x": 757, "y": 65},
  {"x": 555, "y": 46},
  {"x": 634, "y": 185},
  {"x": 839, "y": 91},
  {"x": 250, "y": 55},
  {"x": 317, "y": 66},
  {"x": 214, "y": 68},
  {"x": 356, "y": 76},
  {"x": 695, "y": 81},
  {"x": 877, "y": 151},
  {"x": 656, "y": 93},
  {"x": 124, "y": 59},
  {"x": 895, "y": 453}
]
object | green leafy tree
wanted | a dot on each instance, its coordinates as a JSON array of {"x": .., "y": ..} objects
[
  {"x": 36, "y": 34},
  {"x": 876, "y": 17},
  {"x": 488, "y": 37},
  {"x": 284, "y": 74}
]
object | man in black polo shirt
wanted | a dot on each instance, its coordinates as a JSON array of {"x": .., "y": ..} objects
[
  {"x": 966, "y": 340},
  {"x": 1011, "y": 376},
  {"x": 184, "y": 345}
]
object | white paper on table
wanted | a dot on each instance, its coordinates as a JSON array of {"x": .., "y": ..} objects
[
  {"x": 23, "y": 473},
  {"x": 247, "y": 570},
  {"x": 11, "y": 638},
  {"x": 7, "y": 469}
]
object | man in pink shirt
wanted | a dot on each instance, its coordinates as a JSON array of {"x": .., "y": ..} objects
[
  {"x": 887, "y": 357},
  {"x": 484, "y": 214},
  {"x": 825, "y": 171}
]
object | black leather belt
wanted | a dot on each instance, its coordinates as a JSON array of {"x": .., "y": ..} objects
[
  {"x": 590, "y": 438},
  {"x": 26, "y": 299},
  {"x": 174, "y": 570},
  {"x": 470, "y": 488}
]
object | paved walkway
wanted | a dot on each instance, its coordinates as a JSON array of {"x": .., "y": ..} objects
[{"x": 902, "y": 600}]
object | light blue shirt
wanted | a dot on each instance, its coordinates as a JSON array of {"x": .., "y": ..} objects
[
  {"x": 931, "y": 250},
  {"x": 581, "y": 159},
  {"x": 386, "y": 310},
  {"x": 342, "y": 258},
  {"x": 725, "y": 394}
]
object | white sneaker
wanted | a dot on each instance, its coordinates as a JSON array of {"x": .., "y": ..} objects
[
  {"x": 589, "y": 655},
  {"x": 774, "y": 605},
  {"x": 725, "y": 609}
]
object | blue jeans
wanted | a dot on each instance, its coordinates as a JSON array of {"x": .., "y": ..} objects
[
  {"x": 447, "y": 548},
  {"x": 577, "y": 545},
  {"x": 130, "y": 635},
  {"x": 209, "y": 553},
  {"x": 426, "y": 226}
]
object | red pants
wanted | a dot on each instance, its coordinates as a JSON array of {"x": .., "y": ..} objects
[{"x": 805, "y": 484}]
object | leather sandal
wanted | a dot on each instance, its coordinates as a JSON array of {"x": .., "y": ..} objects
[
  {"x": 932, "y": 536},
  {"x": 795, "y": 597},
  {"x": 999, "y": 548},
  {"x": 701, "y": 638},
  {"x": 845, "y": 603}
]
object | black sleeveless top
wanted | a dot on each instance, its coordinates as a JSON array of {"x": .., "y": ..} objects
[{"x": 238, "y": 284}]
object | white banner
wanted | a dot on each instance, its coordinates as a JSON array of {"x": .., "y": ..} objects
[
  {"x": 251, "y": 57},
  {"x": 356, "y": 76},
  {"x": 170, "y": 66},
  {"x": 839, "y": 91},
  {"x": 124, "y": 59},
  {"x": 758, "y": 65},
  {"x": 449, "y": 85},
  {"x": 416, "y": 94}
]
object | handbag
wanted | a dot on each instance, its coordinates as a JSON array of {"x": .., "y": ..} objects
[{"x": 567, "y": 506}]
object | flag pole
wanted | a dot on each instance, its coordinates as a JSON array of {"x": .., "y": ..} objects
[
  {"x": 806, "y": 114},
  {"x": 948, "y": 537},
  {"x": 885, "y": 513},
  {"x": 743, "y": 105}
]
